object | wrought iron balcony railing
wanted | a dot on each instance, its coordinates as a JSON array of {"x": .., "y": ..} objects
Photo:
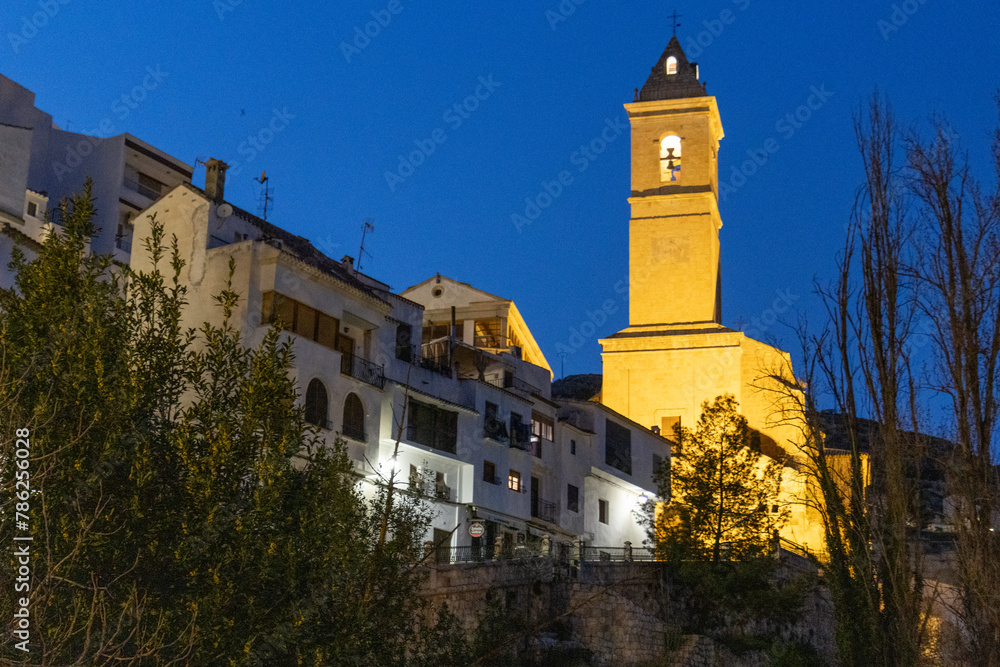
[
  {"x": 362, "y": 369},
  {"x": 494, "y": 429},
  {"x": 411, "y": 354},
  {"x": 545, "y": 510},
  {"x": 511, "y": 382},
  {"x": 520, "y": 437}
]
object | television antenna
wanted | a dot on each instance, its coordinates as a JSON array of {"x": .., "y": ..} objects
[
  {"x": 369, "y": 227},
  {"x": 267, "y": 197}
]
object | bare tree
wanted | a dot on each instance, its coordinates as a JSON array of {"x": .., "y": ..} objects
[
  {"x": 860, "y": 360},
  {"x": 959, "y": 273}
]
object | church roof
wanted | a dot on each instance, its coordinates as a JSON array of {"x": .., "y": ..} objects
[{"x": 663, "y": 86}]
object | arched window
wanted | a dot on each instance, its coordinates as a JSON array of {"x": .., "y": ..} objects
[
  {"x": 670, "y": 158},
  {"x": 316, "y": 404},
  {"x": 671, "y": 65},
  {"x": 354, "y": 418}
]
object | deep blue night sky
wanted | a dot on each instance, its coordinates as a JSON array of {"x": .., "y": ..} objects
[{"x": 231, "y": 64}]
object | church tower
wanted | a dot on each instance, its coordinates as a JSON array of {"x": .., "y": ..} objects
[
  {"x": 674, "y": 231},
  {"x": 676, "y": 354}
]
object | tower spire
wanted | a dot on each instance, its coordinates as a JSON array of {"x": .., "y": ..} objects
[{"x": 673, "y": 76}]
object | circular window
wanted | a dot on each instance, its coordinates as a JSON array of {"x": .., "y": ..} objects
[{"x": 437, "y": 291}]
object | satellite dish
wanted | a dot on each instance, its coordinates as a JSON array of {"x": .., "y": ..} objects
[{"x": 224, "y": 211}]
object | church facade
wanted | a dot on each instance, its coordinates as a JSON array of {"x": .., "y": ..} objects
[{"x": 675, "y": 353}]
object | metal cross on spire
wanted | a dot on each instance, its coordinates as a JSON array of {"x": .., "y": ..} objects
[{"x": 676, "y": 24}]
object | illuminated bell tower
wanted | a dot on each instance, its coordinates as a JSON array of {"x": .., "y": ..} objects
[
  {"x": 676, "y": 354},
  {"x": 674, "y": 230}
]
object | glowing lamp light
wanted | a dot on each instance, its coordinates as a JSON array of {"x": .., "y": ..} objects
[{"x": 643, "y": 499}]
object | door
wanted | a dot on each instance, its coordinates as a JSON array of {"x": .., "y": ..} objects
[
  {"x": 442, "y": 546},
  {"x": 345, "y": 344},
  {"x": 534, "y": 496}
]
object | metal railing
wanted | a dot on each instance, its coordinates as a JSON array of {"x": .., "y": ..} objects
[
  {"x": 512, "y": 382},
  {"x": 545, "y": 510},
  {"x": 520, "y": 437},
  {"x": 362, "y": 369},
  {"x": 567, "y": 553},
  {"x": 792, "y": 547},
  {"x": 143, "y": 190},
  {"x": 494, "y": 429},
  {"x": 411, "y": 355}
]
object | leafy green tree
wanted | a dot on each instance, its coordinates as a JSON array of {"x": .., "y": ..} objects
[
  {"x": 74, "y": 378},
  {"x": 182, "y": 511},
  {"x": 722, "y": 490}
]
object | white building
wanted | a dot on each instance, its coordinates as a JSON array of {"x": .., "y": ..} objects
[
  {"x": 481, "y": 437},
  {"x": 40, "y": 164}
]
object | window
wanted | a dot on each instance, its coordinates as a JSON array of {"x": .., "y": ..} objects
[
  {"x": 32, "y": 209},
  {"x": 432, "y": 426},
  {"x": 602, "y": 511},
  {"x": 541, "y": 426},
  {"x": 300, "y": 319},
  {"x": 354, "y": 418},
  {"x": 493, "y": 428},
  {"x": 441, "y": 330},
  {"x": 572, "y": 447},
  {"x": 671, "y": 65},
  {"x": 541, "y": 429},
  {"x": 414, "y": 478},
  {"x": 618, "y": 447},
  {"x": 404, "y": 336},
  {"x": 152, "y": 184},
  {"x": 514, "y": 481},
  {"x": 670, "y": 158},
  {"x": 667, "y": 426},
  {"x": 489, "y": 333},
  {"x": 489, "y": 472},
  {"x": 657, "y": 462},
  {"x": 520, "y": 433},
  {"x": 316, "y": 404},
  {"x": 572, "y": 498}
]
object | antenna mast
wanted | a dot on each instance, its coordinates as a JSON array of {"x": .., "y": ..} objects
[
  {"x": 267, "y": 198},
  {"x": 369, "y": 227}
]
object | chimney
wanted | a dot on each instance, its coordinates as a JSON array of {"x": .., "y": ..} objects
[
  {"x": 215, "y": 179},
  {"x": 347, "y": 262}
]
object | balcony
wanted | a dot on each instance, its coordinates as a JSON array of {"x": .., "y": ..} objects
[
  {"x": 424, "y": 483},
  {"x": 366, "y": 371},
  {"x": 520, "y": 437},
  {"x": 144, "y": 190},
  {"x": 494, "y": 429},
  {"x": 442, "y": 491},
  {"x": 544, "y": 510},
  {"x": 411, "y": 355},
  {"x": 510, "y": 382}
]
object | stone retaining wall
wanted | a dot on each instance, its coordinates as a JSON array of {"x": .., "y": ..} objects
[{"x": 620, "y": 612}]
